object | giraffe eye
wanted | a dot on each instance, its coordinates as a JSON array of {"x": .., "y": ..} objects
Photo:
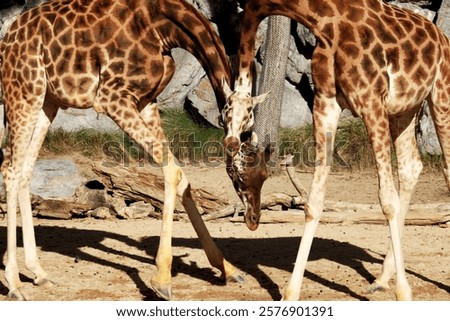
[{"x": 246, "y": 136}]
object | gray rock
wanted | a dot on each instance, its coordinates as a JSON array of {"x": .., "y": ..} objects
[
  {"x": 7, "y": 17},
  {"x": 54, "y": 179},
  {"x": 93, "y": 198},
  {"x": 139, "y": 210},
  {"x": 297, "y": 65},
  {"x": 117, "y": 205},
  {"x": 443, "y": 17},
  {"x": 133, "y": 211},
  {"x": 203, "y": 101},
  {"x": 102, "y": 213},
  {"x": 294, "y": 110},
  {"x": 415, "y": 8},
  {"x": 426, "y": 135},
  {"x": 188, "y": 73},
  {"x": 73, "y": 119}
]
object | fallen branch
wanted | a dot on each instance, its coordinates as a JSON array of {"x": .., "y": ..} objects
[
  {"x": 140, "y": 184},
  {"x": 269, "y": 201},
  {"x": 298, "y": 217},
  {"x": 293, "y": 176}
]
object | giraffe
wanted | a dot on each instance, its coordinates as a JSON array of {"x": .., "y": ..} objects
[
  {"x": 113, "y": 56},
  {"x": 381, "y": 62}
]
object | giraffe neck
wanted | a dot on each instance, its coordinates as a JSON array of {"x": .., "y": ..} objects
[
  {"x": 313, "y": 14},
  {"x": 192, "y": 32}
]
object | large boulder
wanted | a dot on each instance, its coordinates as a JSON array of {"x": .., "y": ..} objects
[{"x": 54, "y": 179}]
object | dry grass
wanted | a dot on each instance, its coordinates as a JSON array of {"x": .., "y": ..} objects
[{"x": 189, "y": 141}]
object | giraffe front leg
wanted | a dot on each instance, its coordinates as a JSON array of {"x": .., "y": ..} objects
[
  {"x": 150, "y": 115},
  {"x": 326, "y": 116},
  {"x": 29, "y": 240},
  {"x": 161, "y": 282},
  {"x": 229, "y": 273}
]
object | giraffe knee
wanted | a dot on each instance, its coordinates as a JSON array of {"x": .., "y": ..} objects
[
  {"x": 389, "y": 201},
  {"x": 388, "y": 211},
  {"x": 311, "y": 213},
  {"x": 184, "y": 187}
]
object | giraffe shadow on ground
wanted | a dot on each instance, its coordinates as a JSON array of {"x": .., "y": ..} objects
[{"x": 276, "y": 253}]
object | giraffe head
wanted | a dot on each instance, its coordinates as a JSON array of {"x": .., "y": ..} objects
[
  {"x": 248, "y": 171},
  {"x": 246, "y": 163},
  {"x": 237, "y": 117}
]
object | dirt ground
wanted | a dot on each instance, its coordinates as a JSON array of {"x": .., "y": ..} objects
[{"x": 90, "y": 259}]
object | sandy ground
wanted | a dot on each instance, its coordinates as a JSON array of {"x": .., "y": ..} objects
[{"x": 92, "y": 259}]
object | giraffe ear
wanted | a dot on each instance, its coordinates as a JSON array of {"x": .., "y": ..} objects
[
  {"x": 226, "y": 88},
  {"x": 260, "y": 99}
]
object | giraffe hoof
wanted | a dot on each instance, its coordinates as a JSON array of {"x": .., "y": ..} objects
[
  {"x": 404, "y": 296},
  {"x": 164, "y": 291},
  {"x": 17, "y": 295},
  {"x": 375, "y": 287},
  {"x": 236, "y": 277},
  {"x": 404, "y": 293},
  {"x": 44, "y": 282}
]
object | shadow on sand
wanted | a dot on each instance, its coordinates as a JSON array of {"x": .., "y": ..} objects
[{"x": 277, "y": 253}]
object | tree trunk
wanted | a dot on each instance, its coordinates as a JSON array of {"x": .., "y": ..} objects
[{"x": 276, "y": 50}]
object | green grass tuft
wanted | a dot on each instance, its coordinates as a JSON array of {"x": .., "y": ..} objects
[{"x": 191, "y": 142}]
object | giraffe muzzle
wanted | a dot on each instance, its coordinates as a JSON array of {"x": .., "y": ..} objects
[
  {"x": 231, "y": 145},
  {"x": 252, "y": 211},
  {"x": 252, "y": 221}
]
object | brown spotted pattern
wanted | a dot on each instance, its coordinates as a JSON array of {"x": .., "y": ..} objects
[
  {"x": 381, "y": 62},
  {"x": 114, "y": 56},
  {"x": 248, "y": 171}
]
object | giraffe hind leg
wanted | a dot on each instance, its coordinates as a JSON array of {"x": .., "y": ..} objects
[
  {"x": 394, "y": 205},
  {"x": 409, "y": 169},
  {"x": 440, "y": 111},
  {"x": 22, "y": 150}
]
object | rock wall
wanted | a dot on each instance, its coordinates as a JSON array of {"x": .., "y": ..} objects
[{"x": 190, "y": 88}]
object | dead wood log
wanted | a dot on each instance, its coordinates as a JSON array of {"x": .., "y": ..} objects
[
  {"x": 140, "y": 184},
  {"x": 268, "y": 201},
  {"x": 231, "y": 210},
  {"x": 341, "y": 212},
  {"x": 290, "y": 169},
  {"x": 298, "y": 217},
  {"x": 58, "y": 209}
]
